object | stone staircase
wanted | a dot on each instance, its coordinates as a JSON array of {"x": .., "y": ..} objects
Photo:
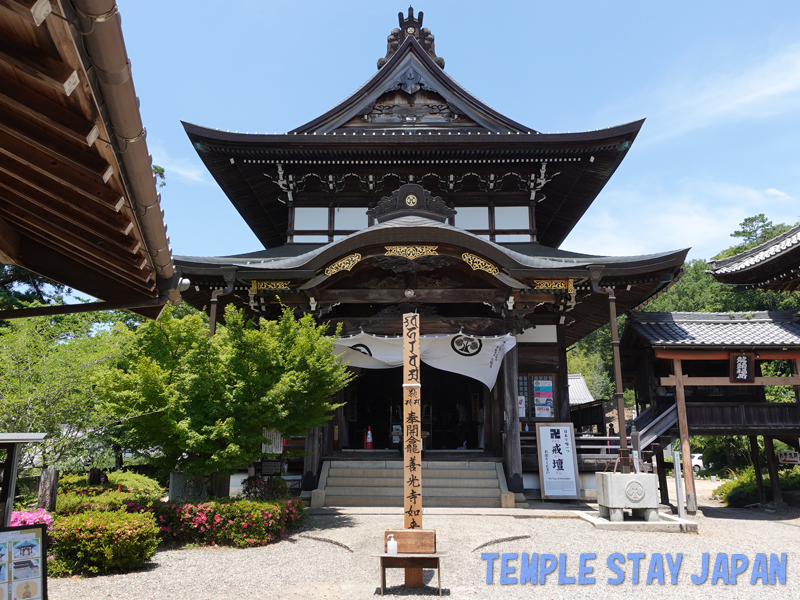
[{"x": 473, "y": 484}]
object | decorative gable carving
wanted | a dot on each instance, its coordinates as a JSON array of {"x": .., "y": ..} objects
[
  {"x": 411, "y": 199},
  {"x": 395, "y": 108},
  {"x": 410, "y": 26}
]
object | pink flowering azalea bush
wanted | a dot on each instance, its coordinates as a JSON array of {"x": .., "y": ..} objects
[
  {"x": 239, "y": 523},
  {"x": 31, "y": 517},
  {"x": 94, "y": 543}
]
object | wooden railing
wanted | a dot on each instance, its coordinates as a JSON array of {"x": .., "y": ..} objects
[{"x": 743, "y": 418}]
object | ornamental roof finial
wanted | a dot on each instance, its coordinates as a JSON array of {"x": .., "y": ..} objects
[{"x": 410, "y": 26}]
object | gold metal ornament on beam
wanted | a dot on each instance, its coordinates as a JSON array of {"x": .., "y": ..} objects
[
  {"x": 479, "y": 264},
  {"x": 345, "y": 264},
  {"x": 255, "y": 286},
  {"x": 411, "y": 252},
  {"x": 554, "y": 284}
]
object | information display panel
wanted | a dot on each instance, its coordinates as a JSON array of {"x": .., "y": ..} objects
[{"x": 23, "y": 562}]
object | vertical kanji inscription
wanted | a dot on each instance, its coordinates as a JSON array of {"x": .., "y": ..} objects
[{"x": 412, "y": 424}]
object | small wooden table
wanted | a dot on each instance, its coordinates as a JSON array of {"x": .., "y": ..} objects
[{"x": 410, "y": 561}]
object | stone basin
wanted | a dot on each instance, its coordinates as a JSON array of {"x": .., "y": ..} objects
[{"x": 617, "y": 492}]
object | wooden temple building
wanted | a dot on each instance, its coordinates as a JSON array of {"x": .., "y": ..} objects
[
  {"x": 702, "y": 374},
  {"x": 413, "y": 195},
  {"x": 773, "y": 265}
]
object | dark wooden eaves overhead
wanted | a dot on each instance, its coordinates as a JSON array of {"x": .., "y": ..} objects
[
  {"x": 773, "y": 265},
  {"x": 635, "y": 278},
  {"x": 71, "y": 205},
  {"x": 245, "y": 166}
]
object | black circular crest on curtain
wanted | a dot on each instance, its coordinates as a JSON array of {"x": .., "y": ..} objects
[
  {"x": 363, "y": 348},
  {"x": 465, "y": 345}
]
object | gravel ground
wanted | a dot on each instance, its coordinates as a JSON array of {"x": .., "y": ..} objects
[{"x": 338, "y": 563}]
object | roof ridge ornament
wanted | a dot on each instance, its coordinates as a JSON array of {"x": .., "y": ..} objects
[{"x": 410, "y": 26}]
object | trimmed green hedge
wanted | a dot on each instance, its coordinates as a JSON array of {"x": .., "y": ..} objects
[
  {"x": 119, "y": 531},
  {"x": 73, "y": 503},
  {"x": 742, "y": 490},
  {"x": 127, "y": 480},
  {"x": 94, "y": 543},
  {"x": 240, "y": 523}
]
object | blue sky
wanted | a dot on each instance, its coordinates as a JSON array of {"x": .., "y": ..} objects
[{"x": 719, "y": 84}]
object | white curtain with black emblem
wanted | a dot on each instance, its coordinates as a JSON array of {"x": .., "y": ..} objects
[{"x": 474, "y": 356}]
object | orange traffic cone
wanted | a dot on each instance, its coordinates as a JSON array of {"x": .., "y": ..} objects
[{"x": 368, "y": 444}]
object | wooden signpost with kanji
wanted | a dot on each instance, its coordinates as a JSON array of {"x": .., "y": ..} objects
[{"x": 412, "y": 435}]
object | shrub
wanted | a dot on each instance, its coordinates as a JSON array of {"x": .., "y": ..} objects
[
  {"x": 31, "y": 517},
  {"x": 242, "y": 523},
  {"x": 742, "y": 490},
  {"x": 126, "y": 480},
  {"x": 260, "y": 488},
  {"x": 74, "y": 503},
  {"x": 93, "y": 543}
]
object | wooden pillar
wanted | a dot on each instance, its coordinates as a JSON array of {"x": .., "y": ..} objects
[
  {"x": 661, "y": 469},
  {"x": 774, "y": 481},
  {"x": 561, "y": 408},
  {"x": 683, "y": 428},
  {"x": 497, "y": 420},
  {"x": 618, "y": 394},
  {"x": 338, "y": 424},
  {"x": 326, "y": 447},
  {"x": 310, "y": 459},
  {"x": 412, "y": 438},
  {"x": 756, "y": 458},
  {"x": 488, "y": 421},
  {"x": 9, "y": 482},
  {"x": 512, "y": 451}
]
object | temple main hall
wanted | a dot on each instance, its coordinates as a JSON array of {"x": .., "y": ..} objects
[{"x": 414, "y": 196}]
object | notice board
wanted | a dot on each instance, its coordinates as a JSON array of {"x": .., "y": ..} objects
[
  {"x": 23, "y": 562},
  {"x": 558, "y": 461}
]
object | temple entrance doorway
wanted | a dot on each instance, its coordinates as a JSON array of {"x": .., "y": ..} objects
[{"x": 452, "y": 410}]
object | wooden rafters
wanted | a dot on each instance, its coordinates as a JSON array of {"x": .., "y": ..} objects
[
  {"x": 41, "y": 66},
  {"x": 33, "y": 11},
  {"x": 9, "y": 244},
  {"x": 49, "y": 113},
  {"x": 66, "y": 211}
]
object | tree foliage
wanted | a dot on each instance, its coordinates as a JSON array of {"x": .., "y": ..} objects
[
  {"x": 18, "y": 287},
  {"x": 696, "y": 291},
  {"x": 47, "y": 372},
  {"x": 200, "y": 404}
]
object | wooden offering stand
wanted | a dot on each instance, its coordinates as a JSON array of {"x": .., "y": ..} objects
[{"x": 416, "y": 549}]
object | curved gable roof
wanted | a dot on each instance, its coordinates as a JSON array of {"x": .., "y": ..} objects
[{"x": 411, "y": 63}]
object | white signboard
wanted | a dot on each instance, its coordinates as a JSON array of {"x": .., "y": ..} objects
[
  {"x": 543, "y": 398},
  {"x": 558, "y": 461},
  {"x": 521, "y": 405},
  {"x": 274, "y": 444},
  {"x": 789, "y": 458}
]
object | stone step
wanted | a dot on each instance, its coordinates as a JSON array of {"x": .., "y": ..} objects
[
  {"x": 398, "y": 482},
  {"x": 426, "y": 473},
  {"x": 428, "y": 492},
  {"x": 465, "y": 465},
  {"x": 427, "y": 502}
]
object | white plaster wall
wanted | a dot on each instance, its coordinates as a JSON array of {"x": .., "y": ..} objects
[{"x": 542, "y": 334}]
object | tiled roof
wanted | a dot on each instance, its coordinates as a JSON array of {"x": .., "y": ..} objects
[
  {"x": 578, "y": 390},
  {"x": 777, "y": 328},
  {"x": 759, "y": 254}
]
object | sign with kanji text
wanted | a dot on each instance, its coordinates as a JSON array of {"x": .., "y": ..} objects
[
  {"x": 743, "y": 368},
  {"x": 558, "y": 461},
  {"x": 789, "y": 458},
  {"x": 412, "y": 424}
]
